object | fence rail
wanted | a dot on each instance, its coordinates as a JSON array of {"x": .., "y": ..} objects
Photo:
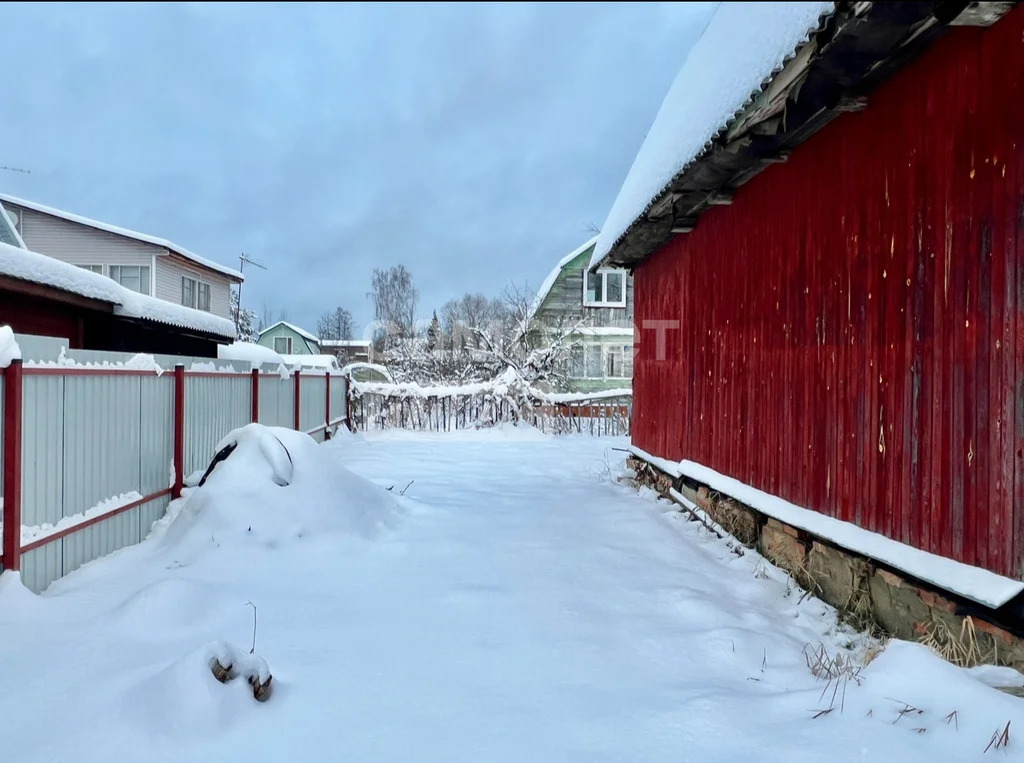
[
  {"x": 93, "y": 456},
  {"x": 382, "y": 406}
]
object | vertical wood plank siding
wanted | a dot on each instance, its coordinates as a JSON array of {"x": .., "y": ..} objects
[{"x": 850, "y": 327}]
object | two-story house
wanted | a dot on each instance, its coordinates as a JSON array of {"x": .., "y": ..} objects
[
  {"x": 139, "y": 262},
  {"x": 596, "y": 309}
]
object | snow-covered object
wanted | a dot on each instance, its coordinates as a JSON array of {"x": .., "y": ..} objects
[
  {"x": 248, "y": 352},
  {"x": 346, "y": 342},
  {"x": 144, "y": 237},
  {"x": 300, "y": 331},
  {"x": 583, "y": 397},
  {"x": 322, "y": 362},
  {"x": 360, "y": 366},
  {"x": 38, "y": 268},
  {"x": 280, "y": 486},
  {"x": 256, "y": 441},
  {"x": 549, "y": 281},
  {"x": 971, "y": 582},
  {"x": 9, "y": 349},
  {"x": 743, "y": 45}
]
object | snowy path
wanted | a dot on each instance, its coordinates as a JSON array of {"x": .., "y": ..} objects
[{"x": 525, "y": 608}]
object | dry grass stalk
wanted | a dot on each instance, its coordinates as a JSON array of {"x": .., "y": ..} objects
[
  {"x": 961, "y": 649},
  {"x": 835, "y": 670},
  {"x": 999, "y": 738}
]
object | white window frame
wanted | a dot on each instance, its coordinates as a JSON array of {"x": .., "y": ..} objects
[
  {"x": 196, "y": 301},
  {"x": 287, "y": 340},
  {"x": 603, "y": 275},
  {"x": 148, "y": 282},
  {"x": 92, "y": 268},
  {"x": 202, "y": 286}
]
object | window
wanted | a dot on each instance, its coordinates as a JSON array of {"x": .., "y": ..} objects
[
  {"x": 594, "y": 370},
  {"x": 576, "y": 366},
  {"x": 93, "y": 268},
  {"x": 283, "y": 345},
  {"x": 204, "y": 297},
  {"x": 134, "y": 277},
  {"x": 605, "y": 288},
  {"x": 195, "y": 294},
  {"x": 627, "y": 361}
]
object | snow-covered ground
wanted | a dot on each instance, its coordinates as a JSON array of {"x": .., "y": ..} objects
[{"x": 517, "y": 604}]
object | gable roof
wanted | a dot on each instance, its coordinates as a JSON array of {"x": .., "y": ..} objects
[
  {"x": 762, "y": 78},
  {"x": 549, "y": 281},
  {"x": 144, "y": 237},
  {"x": 741, "y": 47},
  {"x": 301, "y": 332},
  {"x": 27, "y": 265}
]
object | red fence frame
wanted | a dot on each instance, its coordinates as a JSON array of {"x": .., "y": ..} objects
[{"x": 11, "y": 547}]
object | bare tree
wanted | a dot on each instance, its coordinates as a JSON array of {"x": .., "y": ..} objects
[
  {"x": 336, "y": 324},
  {"x": 394, "y": 302}
]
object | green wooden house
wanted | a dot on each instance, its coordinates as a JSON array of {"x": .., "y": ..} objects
[
  {"x": 288, "y": 339},
  {"x": 599, "y": 310}
]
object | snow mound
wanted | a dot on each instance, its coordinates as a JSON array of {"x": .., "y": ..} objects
[
  {"x": 171, "y": 606},
  {"x": 277, "y": 487},
  {"x": 184, "y": 700}
]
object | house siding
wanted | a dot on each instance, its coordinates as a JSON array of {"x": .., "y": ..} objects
[
  {"x": 169, "y": 272},
  {"x": 564, "y": 301},
  {"x": 79, "y": 244},
  {"x": 852, "y": 327}
]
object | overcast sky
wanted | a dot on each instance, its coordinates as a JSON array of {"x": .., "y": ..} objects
[{"x": 474, "y": 144}]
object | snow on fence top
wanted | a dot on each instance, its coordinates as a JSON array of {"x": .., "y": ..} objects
[
  {"x": 27, "y": 265},
  {"x": 496, "y": 388},
  {"x": 548, "y": 282},
  {"x": 301, "y": 332},
  {"x": 144, "y": 237},
  {"x": 743, "y": 46},
  {"x": 9, "y": 349},
  {"x": 322, "y": 362},
  {"x": 971, "y": 582},
  {"x": 346, "y": 342}
]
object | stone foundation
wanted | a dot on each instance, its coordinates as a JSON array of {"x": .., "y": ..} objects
[{"x": 866, "y": 594}]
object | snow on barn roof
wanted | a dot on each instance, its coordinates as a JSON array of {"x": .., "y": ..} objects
[
  {"x": 301, "y": 332},
  {"x": 741, "y": 49},
  {"x": 145, "y": 238},
  {"x": 27, "y": 265},
  {"x": 549, "y": 281}
]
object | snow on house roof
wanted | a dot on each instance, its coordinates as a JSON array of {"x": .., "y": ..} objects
[
  {"x": 146, "y": 238},
  {"x": 741, "y": 49},
  {"x": 345, "y": 342},
  {"x": 301, "y": 332},
  {"x": 27, "y": 265},
  {"x": 545, "y": 287}
]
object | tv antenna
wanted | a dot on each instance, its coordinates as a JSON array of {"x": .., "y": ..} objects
[
  {"x": 15, "y": 169},
  {"x": 242, "y": 259}
]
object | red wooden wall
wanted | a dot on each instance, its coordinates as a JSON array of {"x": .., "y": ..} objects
[{"x": 851, "y": 334}]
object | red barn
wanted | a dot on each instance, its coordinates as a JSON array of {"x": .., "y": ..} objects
[{"x": 826, "y": 230}]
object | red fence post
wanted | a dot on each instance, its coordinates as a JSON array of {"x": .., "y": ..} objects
[
  {"x": 348, "y": 403},
  {"x": 12, "y": 466},
  {"x": 255, "y": 395},
  {"x": 298, "y": 394},
  {"x": 179, "y": 430},
  {"x": 327, "y": 406}
]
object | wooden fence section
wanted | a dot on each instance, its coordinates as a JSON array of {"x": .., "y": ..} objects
[{"x": 380, "y": 409}]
